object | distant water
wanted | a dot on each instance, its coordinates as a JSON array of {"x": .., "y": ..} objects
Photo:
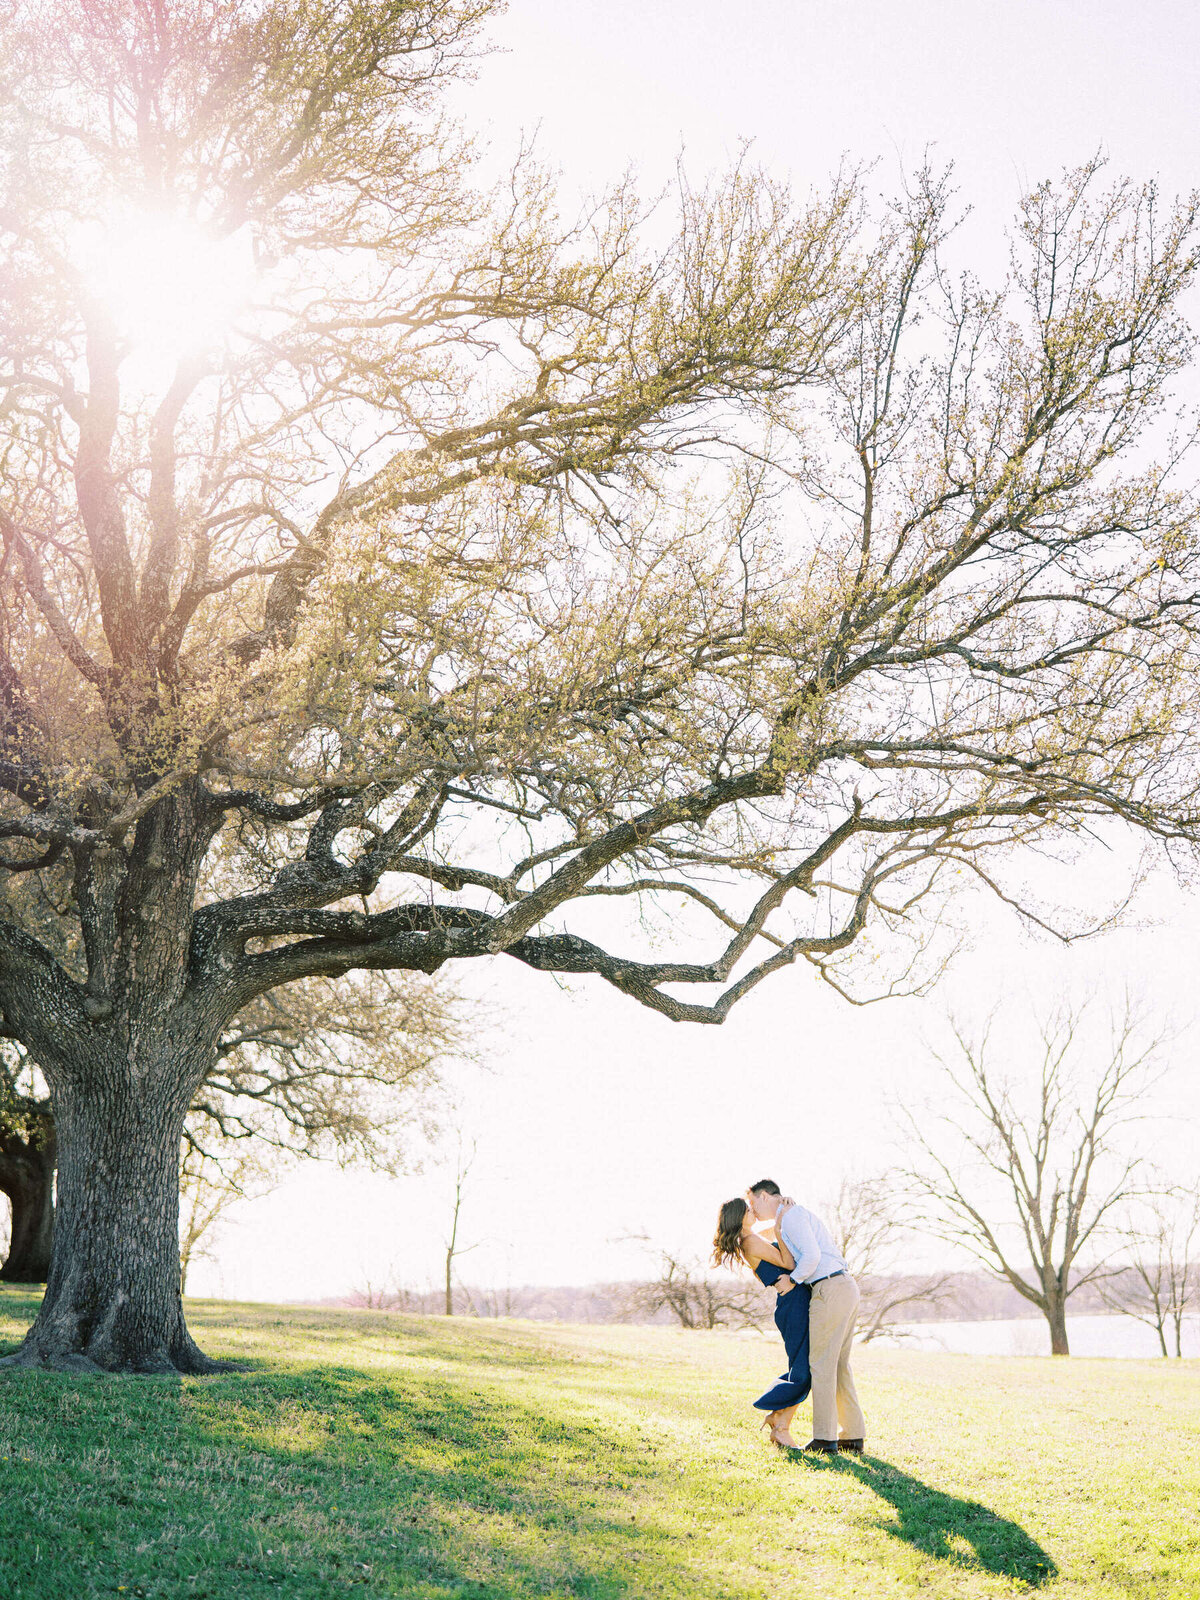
[{"x": 1023, "y": 1336}]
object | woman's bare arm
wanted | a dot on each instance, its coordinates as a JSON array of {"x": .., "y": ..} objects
[{"x": 757, "y": 1248}]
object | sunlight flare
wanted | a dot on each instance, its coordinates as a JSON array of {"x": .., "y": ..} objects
[{"x": 169, "y": 285}]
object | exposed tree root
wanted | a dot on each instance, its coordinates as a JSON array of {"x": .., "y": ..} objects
[
  {"x": 33, "y": 1359},
  {"x": 147, "y": 1341}
]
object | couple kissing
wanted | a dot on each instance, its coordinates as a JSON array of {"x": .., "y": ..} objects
[{"x": 791, "y": 1251}]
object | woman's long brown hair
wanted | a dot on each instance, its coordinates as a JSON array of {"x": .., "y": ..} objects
[{"x": 727, "y": 1241}]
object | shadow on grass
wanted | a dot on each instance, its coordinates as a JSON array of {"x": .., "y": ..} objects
[
  {"x": 469, "y": 1492},
  {"x": 318, "y": 1479},
  {"x": 946, "y": 1526}
]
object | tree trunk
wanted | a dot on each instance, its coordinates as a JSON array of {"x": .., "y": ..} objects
[
  {"x": 112, "y": 1300},
  {"x": 449, "y": 1282},
  {"x": 27, "y": 1178},
  {"x": 1056, "y": 1316}
]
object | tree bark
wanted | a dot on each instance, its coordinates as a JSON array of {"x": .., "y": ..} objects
[
  {"x": 112, "y": 1300},
  {"x": 27, "y": 1178},
  {"x": 1056, "y": 1316},
  {"x": 123, "y": 1057}
]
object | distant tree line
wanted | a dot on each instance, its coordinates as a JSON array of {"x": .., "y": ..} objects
[{"x": 971, "y": 1296}]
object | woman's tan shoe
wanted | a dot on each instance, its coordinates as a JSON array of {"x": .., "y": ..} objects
[{"x": 781, "y": 1436}]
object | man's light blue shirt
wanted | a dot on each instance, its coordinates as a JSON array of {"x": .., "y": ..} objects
[{"x": 810, "y": 1241}]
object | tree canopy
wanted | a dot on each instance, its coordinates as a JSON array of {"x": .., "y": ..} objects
[{"x": 394, "y": 568}]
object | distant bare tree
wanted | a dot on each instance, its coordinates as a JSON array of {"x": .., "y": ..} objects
[
  {"x": 693, "y": 1297},
  {"x": 28, "y": 1151},
  {"x": 349, "y": 1071},
  {"x": 388, "y": 1296},
  {"x": 1033, "y": 1179},
  {"x": 502, "y": 1302},
  {"x": 316, "y": 1069},
  {"x": 1162, "y": 1283},
  {"x": 372, "y": 1297},
  {"x": 868, "y": 1223},
  {"x": 211, "y": 1179},
  {"x": 462, "y": 1169}
]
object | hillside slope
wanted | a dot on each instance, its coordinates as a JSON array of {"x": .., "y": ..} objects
[{"x": 388, "y": 1455}]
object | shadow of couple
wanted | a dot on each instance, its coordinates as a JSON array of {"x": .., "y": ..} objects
[{"x": 944, "y": 1525}]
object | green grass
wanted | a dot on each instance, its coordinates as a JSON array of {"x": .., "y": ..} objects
[{"x": 393, "y": 1455}]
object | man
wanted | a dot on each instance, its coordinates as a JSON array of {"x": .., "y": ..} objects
[{"x": 837, "y": 1416}]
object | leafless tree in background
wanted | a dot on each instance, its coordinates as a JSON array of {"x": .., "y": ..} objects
[
  {"x": 695, "y": 1297},
  {"x": 462, "y": 1169},
  {"x": 27, "y": 1161},
  {"x": 501, "y": 1302},
  {"x": 391, "y": 1295},
  {"x": 211, "y": 1179},
  {"x": 869, "y": 1221},
  {"x": 1161, "y": 1285},
  {"x": 1028, "y": 1181},
  {"x": 350, "y": 1071},
  {"x": 371, "y": 1297}
]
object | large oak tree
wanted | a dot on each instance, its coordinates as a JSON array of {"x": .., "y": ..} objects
[{"x": 397, "y": 573}]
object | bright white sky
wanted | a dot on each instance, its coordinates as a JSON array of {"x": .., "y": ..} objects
[{"x": 595, "y": 1117}]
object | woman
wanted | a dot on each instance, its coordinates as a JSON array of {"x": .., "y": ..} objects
[{"x": 736, "y": 1243}]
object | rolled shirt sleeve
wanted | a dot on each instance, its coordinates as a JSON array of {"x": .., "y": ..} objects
[{"x": 796, "y": 1231}]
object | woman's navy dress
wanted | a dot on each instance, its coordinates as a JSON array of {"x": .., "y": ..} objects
[{"x": 791, "y": 1318}]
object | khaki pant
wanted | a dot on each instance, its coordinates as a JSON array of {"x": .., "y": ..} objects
[{"x": 831, "y": 1319}]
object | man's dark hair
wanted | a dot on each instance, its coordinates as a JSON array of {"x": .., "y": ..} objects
[{"x": 764, "y": 1186}]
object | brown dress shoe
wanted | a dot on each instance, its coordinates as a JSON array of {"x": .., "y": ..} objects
[
  {"x": 854, "y": 1446},
  {"x": 823, "y": 1447}
]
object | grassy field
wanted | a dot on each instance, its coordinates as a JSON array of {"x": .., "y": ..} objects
[{"x": 391, "y": 1455}]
